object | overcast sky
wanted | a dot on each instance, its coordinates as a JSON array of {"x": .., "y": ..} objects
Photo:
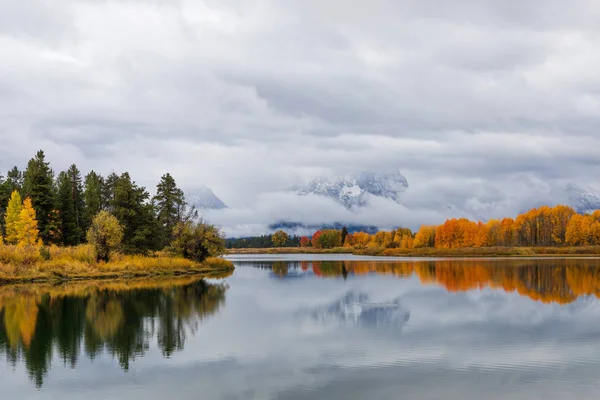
[{"x": 486, "y": 106}]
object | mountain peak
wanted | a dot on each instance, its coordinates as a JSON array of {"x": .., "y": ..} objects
[
  {"x": 203, "y": 198},
  {"x": 353, "y": 190}
]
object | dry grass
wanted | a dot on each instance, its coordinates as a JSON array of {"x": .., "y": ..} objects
[{"x": 19, "y": 264}]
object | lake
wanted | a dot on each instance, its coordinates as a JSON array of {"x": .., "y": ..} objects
[{"x": 313, "y": 326}]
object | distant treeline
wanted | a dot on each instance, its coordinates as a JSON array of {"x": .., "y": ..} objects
[
  {"x": 544, "y": 226},
  {"x": 262, "y": 242}
]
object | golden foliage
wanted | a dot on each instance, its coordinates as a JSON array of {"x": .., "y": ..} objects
[
  {"x": 11, "y": 219},
  {"x": 27, "y": 226}
]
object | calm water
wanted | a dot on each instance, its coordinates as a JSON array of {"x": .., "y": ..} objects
[{"x": 294, "y": 327}]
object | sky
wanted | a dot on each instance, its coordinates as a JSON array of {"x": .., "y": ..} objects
[{"x": 486, "y": 107}]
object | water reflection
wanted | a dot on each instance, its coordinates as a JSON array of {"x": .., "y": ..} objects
[
  {"x": 121, "y": 319},
  {"x": 356, "y": 309},
  {"x": 546, "y": 280}
]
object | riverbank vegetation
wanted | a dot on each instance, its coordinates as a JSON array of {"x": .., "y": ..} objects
[
  {"x": 541, "y": 231},
  {"x": 64, "y": 227}
]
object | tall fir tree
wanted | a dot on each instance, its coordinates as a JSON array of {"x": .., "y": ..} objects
[
  {"x": 78, "y": 201},
  {"x": 133, "y": 210},
  {"x": 13, "y": 212},
  {"x": 344, "y": 235},
  {"x": 170, "y": 207},
  {"x": 38, "y": 185},
  {"x": 108, "y": 191},
  {"x": 92, "y": 196},
  {"x": 14, "y": 180},
  {"x": 71, "y": 234}
]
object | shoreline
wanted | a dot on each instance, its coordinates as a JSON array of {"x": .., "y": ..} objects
[
  {"x": 471, "y": 252},
  {"x": 120, "y": 270},
  {"x": 78, "y": 287}
]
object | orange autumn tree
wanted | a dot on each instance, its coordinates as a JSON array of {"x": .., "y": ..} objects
[
  {"x": 425, "y": 237},
  {"x": 304, "y": 241},
  {"x": 315, "y": 240}
]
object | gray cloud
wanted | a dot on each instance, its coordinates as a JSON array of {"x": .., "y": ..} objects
[{"x": 251, "y": 98}]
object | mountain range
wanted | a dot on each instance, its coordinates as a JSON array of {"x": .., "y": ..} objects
[
  {"x": 353, "y": 190},
  {"x": 357, "y": 192}
]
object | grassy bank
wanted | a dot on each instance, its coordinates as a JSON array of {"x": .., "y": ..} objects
[
  {"x": 93, "y": 286},
  {"x": 18, "y": 265},
  {"x": 593, "y": 251}
]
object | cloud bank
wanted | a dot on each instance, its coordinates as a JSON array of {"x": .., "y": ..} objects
[{"x": 470, "y": 99}]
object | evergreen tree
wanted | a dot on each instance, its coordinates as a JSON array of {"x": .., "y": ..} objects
[
  {"x": 27, "y": 226},
  {"x": 344, "y": 234},
  {"x": 92, "y": 196},
  {"x": 131, "y": 207},
  {"x": 14, "y": 180},
  {"x": 108, "y": 191},
  {"x": 13, "y": 212},
  {"x": 38, "y": 186},
  {"x": 170, "y": 205},
  {"x": 71, "y": 234},
  {"x": 78, "y": 201},
  {"x": 54, "y": 227}
]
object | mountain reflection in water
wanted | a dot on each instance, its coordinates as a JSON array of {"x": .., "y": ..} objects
[
  {"x": 37, "y": 322},
  {"x": 546, "y": 280},
  {"x": 355, "y": 309}
]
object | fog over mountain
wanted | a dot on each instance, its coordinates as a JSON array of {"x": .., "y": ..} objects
[{"x": 485, "y": 107}]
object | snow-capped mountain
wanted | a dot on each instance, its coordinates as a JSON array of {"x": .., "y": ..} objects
[
  {"x": 203, "y": 198},
  {"x": 353, "y": 190},
  {"x": 584, "y": 200}
]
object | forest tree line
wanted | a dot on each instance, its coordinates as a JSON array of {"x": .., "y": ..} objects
[
  {"x": 544, "y": 226},
  {"x": 63, "y": 207}
]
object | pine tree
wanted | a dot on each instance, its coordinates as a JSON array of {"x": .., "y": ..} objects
[
  {"x": 78, "y": 201},
  {"x": 131, "y": 207},
  {"x": 13, "y": 212},
  {"x": 54, "y": 227},
  {"x": 344, "y": 234},
  {"x": 66, "y": 210},
  {"x": 108, "y": 191},
  {"x": 92, "y": 196},
  {"x": 27, "y": 226},
  {"x": 170, "y": 206},
  {"x": 14, "y": 180},
  {"x": 38, "y": 185}
]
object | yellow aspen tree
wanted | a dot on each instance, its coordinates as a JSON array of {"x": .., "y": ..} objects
[
  {"x": 13, "y": 212},
  {"x": 27, "y": 226}
]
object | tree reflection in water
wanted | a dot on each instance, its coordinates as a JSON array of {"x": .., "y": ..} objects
[
  {"x": 37, "y": 322},
  {"x": 546, "y": 280}
]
